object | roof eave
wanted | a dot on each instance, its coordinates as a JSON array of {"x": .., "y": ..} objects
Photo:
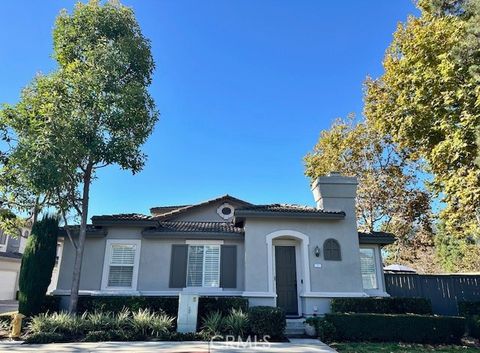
[
  {"x": 240, "y": 215},
  {"x": 124, "y": 222},
  {"x": 378, "y": 240},
  {"x": 192, "y": 235}
]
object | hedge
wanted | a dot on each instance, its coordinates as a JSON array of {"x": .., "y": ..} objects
[
  {"x": 387, "y": 305},
  {"x": 267, "y": 321},
  {"x": 51, "y": 304},
  {"x": 395, "y": 328},
  {"x": 468, "y": 308},
  {"x": 207, "y": 305},
  {"x": 471, "y": 311},
  {"x": 114, "y": 304}
]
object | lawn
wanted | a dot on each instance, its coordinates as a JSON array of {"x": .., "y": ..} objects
[{"x": 398, "y": 348}]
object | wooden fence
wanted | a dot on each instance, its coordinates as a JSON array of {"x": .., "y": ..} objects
[{"x": 443, "y": 290}]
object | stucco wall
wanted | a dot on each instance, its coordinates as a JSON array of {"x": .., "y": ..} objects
[
  {"x": 332, "y": 276},
  {"x": 154, "y": 266}
]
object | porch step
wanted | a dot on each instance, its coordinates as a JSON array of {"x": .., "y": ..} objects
[{"x": 295, "y": 327}]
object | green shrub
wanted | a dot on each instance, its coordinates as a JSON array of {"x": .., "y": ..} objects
[
  {"x": 471, "y": 311},
  {"x": 389, "y": 305},
  {"x": 62, "y": 323},
  {"x": 324, "y": 329},
  {"x": 37, "y": 265},
  {"x": 115, "y": 304},
  {"x": 468, "y": 308},
  {"x": 97, "y": 336},
  {"x": 236, "y": 323},
  {"x": 100, "y": 321},
  {"x": 146, "y": 323},
  {"x": 473, "y": 326},
  {"x": 46, "y": 337},
  {"x": 51, "y": 304},
  {"x": 224, "y": 305},
  {"x": 212, "y": 324},
  {"x": 395, "y": 328},
  {"x": 267, "y": 321}
]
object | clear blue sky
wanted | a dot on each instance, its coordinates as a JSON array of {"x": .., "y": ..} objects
[{"x": 244, "y": 89}]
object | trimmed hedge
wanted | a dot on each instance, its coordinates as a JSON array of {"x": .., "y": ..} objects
[
  {"x": 207, "y": 305},
  {"x": 114, "y": 304},
  {"x": 51, "y": 304},
  {"x": 395, "y": 328},
  {"x": 267, "y": 321},
  {"x": 387, "y": 305},
  {"x": 468, "y": 308},
  {"x": 471, "y": 311}
]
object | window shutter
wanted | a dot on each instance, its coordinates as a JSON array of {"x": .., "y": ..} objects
[
  {"x": 178, "y": 266},
  {"x": 331, "y": 250},
  {"x": 228, "y": 266}
]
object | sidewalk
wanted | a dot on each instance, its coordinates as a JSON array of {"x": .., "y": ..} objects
[{"x": 295, "y": 346}]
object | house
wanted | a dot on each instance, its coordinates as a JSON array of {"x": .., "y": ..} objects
[
  {"x": 11, "y": 249},
  {"x": 294, "y": 257}
]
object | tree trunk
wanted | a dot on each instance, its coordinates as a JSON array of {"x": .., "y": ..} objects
[{"x": 77, "y": 267}]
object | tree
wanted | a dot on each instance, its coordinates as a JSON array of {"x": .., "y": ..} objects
[
  {"x": 38, "y": 261},
  {"x": 427, "y": 102},
  {"x": 389, "y": 197},
  {"x": 93, "y": 111}
]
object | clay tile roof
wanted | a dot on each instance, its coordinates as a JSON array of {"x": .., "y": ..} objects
[
  {"x": 208, "y": 227},
  {"x": 125, "y": 216},
  {"x": 288, "y": 208}
]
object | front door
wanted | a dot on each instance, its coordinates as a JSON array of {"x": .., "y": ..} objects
[{"x": 286, "y": 279}]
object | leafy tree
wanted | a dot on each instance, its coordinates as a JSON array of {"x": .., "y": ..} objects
[
  {"x": 38, "y": 261},
  {"x": 93, "y": 111},
  {"x": 427, "y": 102},
  {"x": 388, "y": 196}
]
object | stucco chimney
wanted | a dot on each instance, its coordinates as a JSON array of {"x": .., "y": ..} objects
[{"x": 335, "y": 192}]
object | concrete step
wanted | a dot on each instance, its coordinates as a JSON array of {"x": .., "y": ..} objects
[{"x": 295, "y": 327}]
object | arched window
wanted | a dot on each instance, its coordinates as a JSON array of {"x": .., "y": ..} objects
[{"x": 331, "y": 250}]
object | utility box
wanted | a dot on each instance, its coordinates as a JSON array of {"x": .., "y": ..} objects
[{"x": 187, "y": 312}]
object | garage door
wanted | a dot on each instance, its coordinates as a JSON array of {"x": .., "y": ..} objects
[{"x": 8, "y": 280}]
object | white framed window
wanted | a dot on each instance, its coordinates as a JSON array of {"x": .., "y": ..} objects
[
  {"x": 368, "y": 268},
  {"x": 203, "y": 265},
  {"x": 120, "y": 268}
]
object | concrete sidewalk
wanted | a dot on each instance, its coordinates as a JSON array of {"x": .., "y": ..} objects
[{"x": 295, "y": 346}]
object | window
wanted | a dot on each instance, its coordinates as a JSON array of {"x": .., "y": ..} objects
[
  {"x": 203, "y": 267},
  {"x": 121, "y": 264},
  {"x": 225, "y": 211},
  {"x": 331, "y": 250},
  {"x": 368, "y": 268}
]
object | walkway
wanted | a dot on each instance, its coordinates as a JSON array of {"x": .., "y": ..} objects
[{"x": 295, "y": 346}]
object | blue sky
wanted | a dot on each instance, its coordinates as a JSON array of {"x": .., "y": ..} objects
[{"x": 243, "y": 87}]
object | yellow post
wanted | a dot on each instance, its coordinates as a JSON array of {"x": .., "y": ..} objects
[{"x": 16, "y": 325}]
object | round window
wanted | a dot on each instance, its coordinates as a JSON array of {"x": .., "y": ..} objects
[{"x": 225, "y": 211}]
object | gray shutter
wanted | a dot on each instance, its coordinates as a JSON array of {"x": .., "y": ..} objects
[
  {"x": 178, "y": 266},
  {"x": 228, "y": 266}
]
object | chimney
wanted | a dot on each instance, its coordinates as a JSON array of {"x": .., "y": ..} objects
[{"x": 335, "y": 192}]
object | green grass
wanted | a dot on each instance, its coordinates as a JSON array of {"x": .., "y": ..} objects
[{"x": 399, "y": 348}]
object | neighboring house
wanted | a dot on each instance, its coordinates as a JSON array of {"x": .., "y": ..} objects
[
  {"x": 11, "y": 250},
  {"x": 294, "y": 257}
]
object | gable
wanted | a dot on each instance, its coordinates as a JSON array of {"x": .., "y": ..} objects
[{"x": 208, "y": 211}]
